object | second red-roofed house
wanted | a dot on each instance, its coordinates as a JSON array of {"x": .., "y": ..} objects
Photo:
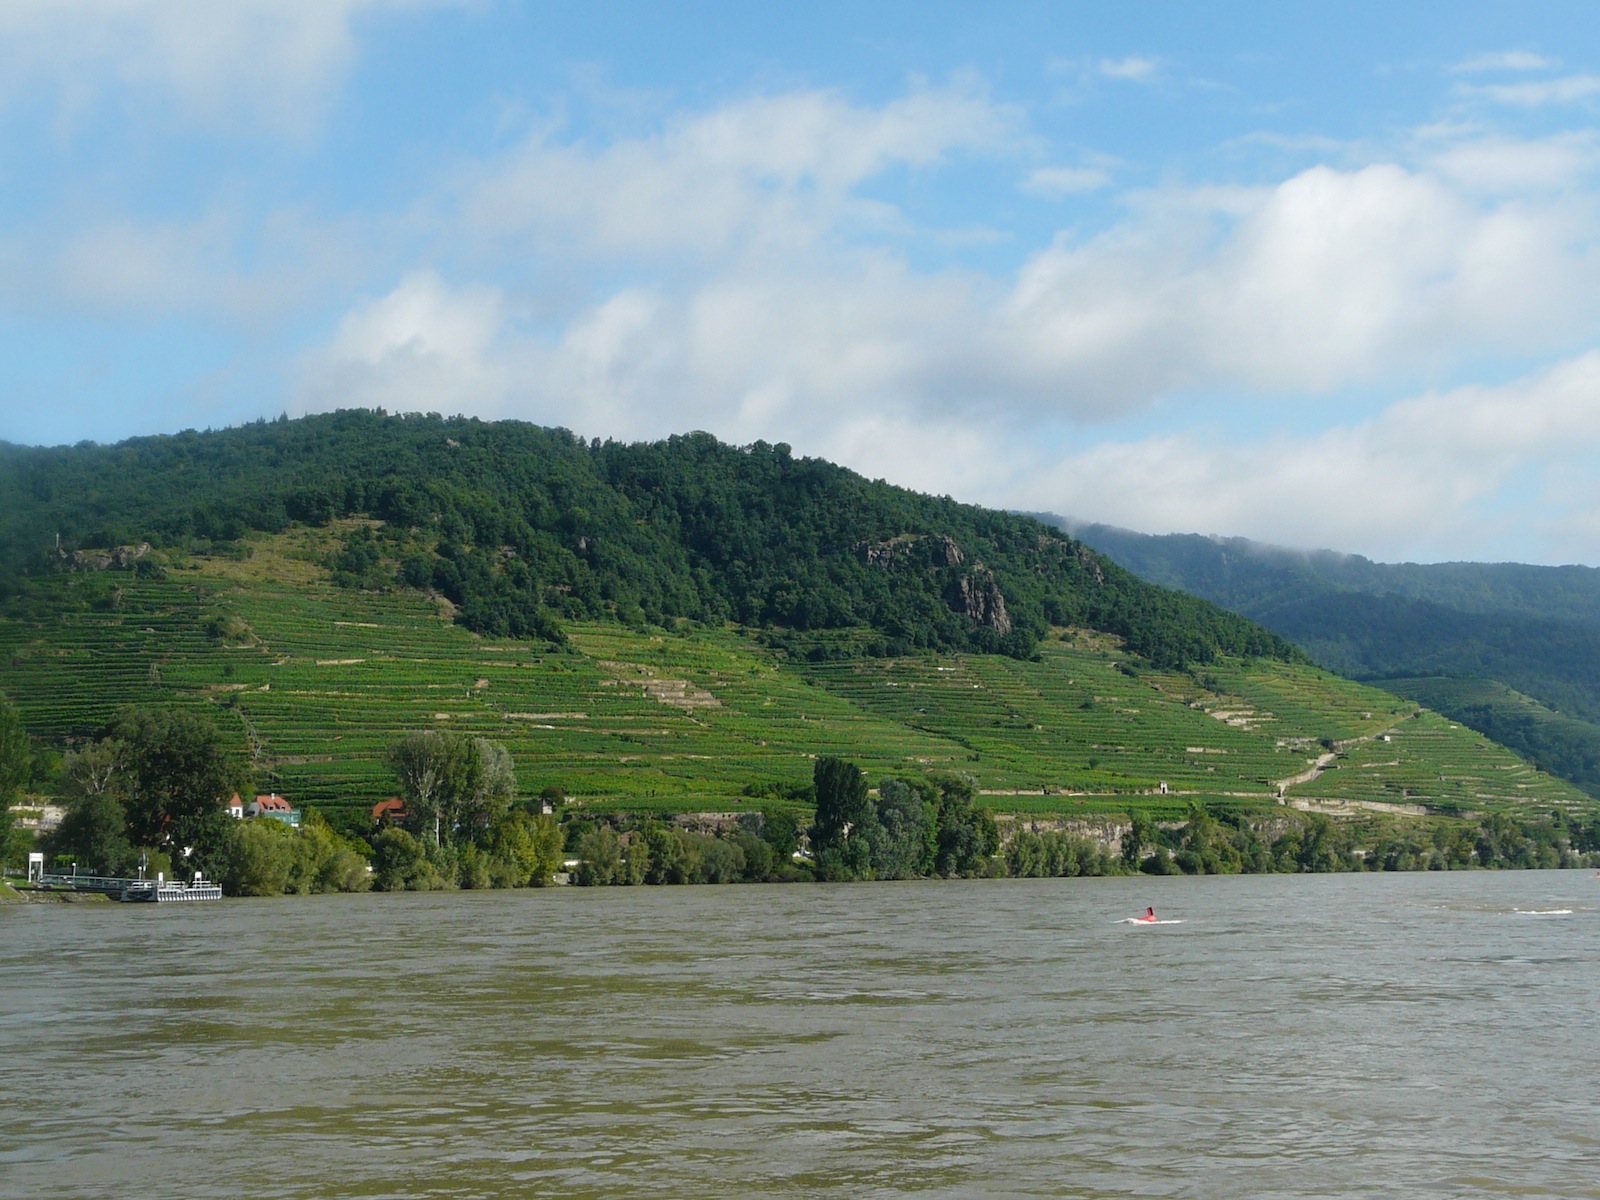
[{"x": 390, "y": 812}]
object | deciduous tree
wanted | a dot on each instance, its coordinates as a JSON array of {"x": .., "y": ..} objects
[
  {"x": 902, "y": 843},
  {"x": 436, "y": 772},
  {"x": 94, "y": 834},
  {"x": 530, "y": 845},
  {"x": 176, "y": 772}
]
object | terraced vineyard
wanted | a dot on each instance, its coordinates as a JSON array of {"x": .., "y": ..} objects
[
  {"x": 314, "y": 682},
  {"x": 1430, "y": 761}
]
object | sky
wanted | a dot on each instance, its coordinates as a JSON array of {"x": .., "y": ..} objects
[{"x": 1323, "y": 275}]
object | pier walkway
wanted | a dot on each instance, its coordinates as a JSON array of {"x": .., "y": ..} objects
[{"x": 158, "y": 890}]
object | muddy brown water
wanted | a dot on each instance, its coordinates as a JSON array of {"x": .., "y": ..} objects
[{"x": 1330, "y": 1036}]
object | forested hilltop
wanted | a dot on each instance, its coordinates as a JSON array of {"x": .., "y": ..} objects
[
  {"x": 1511, "y": 649},
  {"x": 523, "y": 527}
]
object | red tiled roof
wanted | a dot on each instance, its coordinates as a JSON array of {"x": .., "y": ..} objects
[
  {"x": 274, "y": 803},
  {"x": 392, "y": 807}
]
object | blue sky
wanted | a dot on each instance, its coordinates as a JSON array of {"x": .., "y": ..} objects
[{"x": 1323, "y": 275}]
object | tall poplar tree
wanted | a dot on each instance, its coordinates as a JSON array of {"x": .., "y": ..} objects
[
  {"x": 842, "y": 803},
  {"x": 176, "y": 772}
]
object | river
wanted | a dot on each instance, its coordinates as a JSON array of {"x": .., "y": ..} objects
[{"x": 1293, "y": 1036}]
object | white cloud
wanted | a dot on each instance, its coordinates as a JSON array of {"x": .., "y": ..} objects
[
  {"x": 219, "y": 263},
  {"x": 1328, "y": 279},
  {"x": 1133, "y": 68},
  {"x": 1539, "y": 93},
  {"x": 271, "y": 59},
  {"x": 423, "y": 346},
  {"x": 1506, "y": 60},
  {"x": 774, "y": 170},
  {"x": 751, "y": 355},
  {"x": 1425, "y": 478},
  {"x": 422, "y": 317},
  {"x": 1509, "y": 165},
  {"x": 1055, "y": 182}
]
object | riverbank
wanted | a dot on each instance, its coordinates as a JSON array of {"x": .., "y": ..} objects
[{"x": 10, "y": 894}]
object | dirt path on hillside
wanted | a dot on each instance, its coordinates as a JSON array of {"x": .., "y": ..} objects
[{"x": 1317, "y": 768}]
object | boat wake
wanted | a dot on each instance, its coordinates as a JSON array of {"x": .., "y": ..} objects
[
  {"x": 1542, "y": 912},
  {"x": 1147, "y": 921}
]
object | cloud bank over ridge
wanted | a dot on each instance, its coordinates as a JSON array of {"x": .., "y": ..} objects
[{"x": 766, "y": 298}]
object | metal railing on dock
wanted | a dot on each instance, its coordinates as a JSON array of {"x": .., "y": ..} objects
[
  {"x": 105, "y": 884},
  {"x": 162, "y": 891}
]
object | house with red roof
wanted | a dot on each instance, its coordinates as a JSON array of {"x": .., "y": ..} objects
[
  {"x": 390, "y": 812},
  {"x": 275, "y": 807}
]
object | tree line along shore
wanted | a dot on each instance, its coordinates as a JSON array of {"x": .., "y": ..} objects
[{"x": 153, "y": 788}]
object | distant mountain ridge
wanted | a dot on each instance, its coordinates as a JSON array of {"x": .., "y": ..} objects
[
  {"x": 1528, "y": 635},
  {"x": 1249, "y": 572}
]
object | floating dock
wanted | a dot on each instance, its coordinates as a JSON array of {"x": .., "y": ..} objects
[{"x": 159, "y": 890}]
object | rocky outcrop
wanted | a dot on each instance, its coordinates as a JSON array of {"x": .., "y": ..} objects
[
  {"x": 978, "y": 597},
  {"x": 941, "y": 551},
  {"x": 118, "y": 558},
  {"x": 1091, "y": 563},
  {"x": 973, "y": 592},
  {"x": 886, "y": 554}
]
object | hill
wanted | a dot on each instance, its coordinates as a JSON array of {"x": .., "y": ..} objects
[
  {"x": 522, "y": 527},
  {"x": 313, "y": 681},
  {"x": 1510, "y": 649},
  {"x": 667, "y": 627}
]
